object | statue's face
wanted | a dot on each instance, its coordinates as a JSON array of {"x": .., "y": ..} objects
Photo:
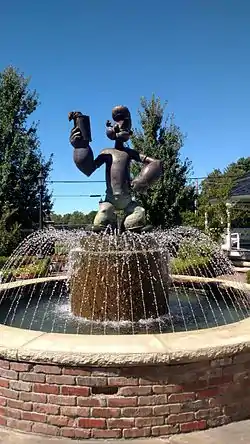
[{"x": 121, "y": 128}]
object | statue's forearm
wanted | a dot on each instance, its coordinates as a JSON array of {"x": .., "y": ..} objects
[
  {"x": 149, "y": 174},
  {"x": 84, "y": 160}
]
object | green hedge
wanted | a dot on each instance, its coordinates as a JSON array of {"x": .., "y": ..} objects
[
  {"x": 196, "y": 266},
  {"x": 3, "y": 260},
  {"x": 248, "y": 277},
  {"x": 33, "y": 270}
]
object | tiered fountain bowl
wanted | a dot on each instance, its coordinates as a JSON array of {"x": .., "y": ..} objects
[{"x": 122, "y": 335}]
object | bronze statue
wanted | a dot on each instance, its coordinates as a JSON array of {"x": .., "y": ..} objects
[{"x": 117, "y": 160}]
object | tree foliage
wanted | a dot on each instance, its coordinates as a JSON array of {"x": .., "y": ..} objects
[
  {"x": 167, "y": 200},
  {"x": 215, "y": 192},
  {"x": 20, "y": 156},
  {"x": 73, "y": 219}
]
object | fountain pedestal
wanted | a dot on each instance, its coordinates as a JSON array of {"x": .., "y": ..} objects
[{"x": 119, "y": 278}]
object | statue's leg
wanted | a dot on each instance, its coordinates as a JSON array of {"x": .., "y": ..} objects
[
  {"x": 135, "y": 217},
  {"x": 105, "y": 216}
]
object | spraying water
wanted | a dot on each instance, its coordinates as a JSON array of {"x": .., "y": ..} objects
[{"x": 111, "y": 283}]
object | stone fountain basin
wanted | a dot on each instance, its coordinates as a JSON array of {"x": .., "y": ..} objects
[
  {"x": 148, "y": 386},
  {"x": 168, "y": 348}
]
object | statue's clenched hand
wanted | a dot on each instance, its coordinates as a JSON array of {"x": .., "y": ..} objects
[{"x": 76, "y": 138}]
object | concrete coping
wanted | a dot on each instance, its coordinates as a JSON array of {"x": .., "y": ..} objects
[{"x": 112, "y": 350}]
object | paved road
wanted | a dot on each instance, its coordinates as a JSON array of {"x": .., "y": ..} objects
[{"x": 230, "y": 434}]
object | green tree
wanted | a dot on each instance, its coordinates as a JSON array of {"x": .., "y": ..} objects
[
  {"x": 20, "y": 156},
  {"x": 75, "y": 218},
  {"x": 215, "y": 192},
  {"x": 167, "y": 200}
]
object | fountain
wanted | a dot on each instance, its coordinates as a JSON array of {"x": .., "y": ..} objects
[{"x": 121, "y": 333}]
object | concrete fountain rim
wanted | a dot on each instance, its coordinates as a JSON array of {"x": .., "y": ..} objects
[{"x": 112, "y": 350}]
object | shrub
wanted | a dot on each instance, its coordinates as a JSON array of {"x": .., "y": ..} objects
[
  {"x": 192, "y": 266},
  {"x": 248, "y": 277},
  {"x": 3, "y": 260},
  {"x": 33, "y": 270}
]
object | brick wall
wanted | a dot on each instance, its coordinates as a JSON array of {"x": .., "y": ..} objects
[{"x": 130, "y": 402}]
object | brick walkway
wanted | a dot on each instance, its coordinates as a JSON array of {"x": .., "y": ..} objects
[{"x": 238, "y": 432}]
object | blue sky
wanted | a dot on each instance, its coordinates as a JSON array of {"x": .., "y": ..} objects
[{"x": 93, "y": 54}]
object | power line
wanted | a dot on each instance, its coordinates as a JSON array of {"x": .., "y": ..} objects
[
  {"x": 103, "y": 181},
  {"x": 78, "y": 195}
]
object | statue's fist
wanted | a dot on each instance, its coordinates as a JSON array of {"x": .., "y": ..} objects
[
  {"x": 139, "y": 186},
  {"x": 76, "y": 138}
]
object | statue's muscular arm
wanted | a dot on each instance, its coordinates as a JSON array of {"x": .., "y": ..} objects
[
  {"x": 83, "y": 154},
  {"x": 151, "y": 171}
]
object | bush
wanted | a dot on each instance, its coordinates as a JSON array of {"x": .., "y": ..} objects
[
  {"x": 30, "y": 271},
  {"x": 10, "y": 233},
  {"x": 192, "y": 266},
  {"x": 3, "y": 260},
  {"x": 38, "y": 269},
  {"x": 248, "y": 277}
]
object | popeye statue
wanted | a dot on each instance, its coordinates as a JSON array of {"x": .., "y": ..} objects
[{"x": 119, "y": 186}]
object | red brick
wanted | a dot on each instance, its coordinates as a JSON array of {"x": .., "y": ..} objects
[
  {"x": 75, "y": 371},
  {"x": 162, "y": 410},
  {"x": 136, "y": 433},
  {"x": 60, "y": 379},
  {"x": 194, "y": 425},
  {"x": 68, "y": 432},
  {"x": 103, "y": 412},
  {"x": 60, "y": 421},
  {"x": 46, "y": 388},
  {"x": 84, "y": 433},
  {"x": 180, "y": 417},
  {"x": 8, "y": 374},
  {"x": 3, "y": 401},
  {"x": 153, "y": 400},
  {"x": 4, "y": 383},
  {"x": 170, "y": 388},
  {"x": 32, "y": 377},
  {"x": 7, "y": 393},
  {"x": 62, "y": 400},
  {"x": 48, "y": 409},
  {"x": 136, "y": 411},
  {"x": 91, "y": 381},
  {"x": 3, "y": 421},
  {"x": 74, "y": 391},
  {"x": 91, "y": 423},
  {"x": 21, "y": 386},
  {"x": 121, "y": 382},
  {"x": 122, "y": 402},
  {"x": 17, "y": 404},
  {"x": 11, "y": 413},
  {"x": 25, "y": 426},
  {"x": 208, "y": 413},
  {"x": 91, "y": 402},
  {"x": 48, "y": 369},
  {"x": 208, "y": 393},
  {"x": 4, "y": 364},
  {"x": 107, "y": 434},
  {"x": 33, "y": 397},
  {"x": 20, "y": 366},
  {"x": 165, "y": 430},
  {"x": 33, "y": 416},
  {"x": 45, "y": 429},
  {"x": 149, "y": 422},
  {"x": 75, "y": 411},
  {"x": 181, "y": 397},
  {"x": 135, "y": 391},
  {"x": 121, "y": 423}
]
